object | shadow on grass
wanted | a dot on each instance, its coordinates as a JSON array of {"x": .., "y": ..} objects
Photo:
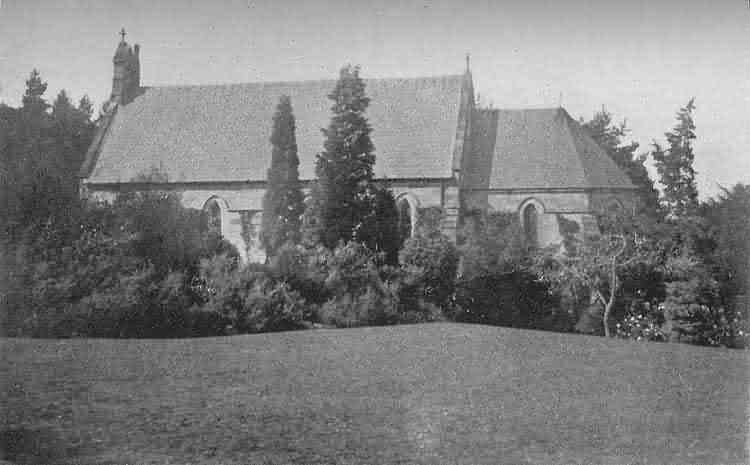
[{"x": 32, "y": 446}]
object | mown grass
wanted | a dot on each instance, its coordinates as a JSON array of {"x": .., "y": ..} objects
[{"x": 417, "y": 394}]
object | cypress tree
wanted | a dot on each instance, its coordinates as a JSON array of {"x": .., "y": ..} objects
[
  {"x": 675, "y": 165},
  {"x": 345, "y": 167},
  {"x": 283, "y": 202},
  {"x": 36, "y": 152}
]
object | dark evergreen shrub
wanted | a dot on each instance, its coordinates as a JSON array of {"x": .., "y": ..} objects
[
  {"x": 380, "y": 228},
  {"x": 513, "y": 299}
]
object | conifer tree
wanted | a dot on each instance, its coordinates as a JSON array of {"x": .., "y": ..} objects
[
  {"x": 283, "y": 202},
  {"x": 609, "y": 137},
  {"x": 83, "y": 131},
  {"x": 35, "y": 149},
  {"x": 675, "y": 165},
  {"x": 692, "y": 306},
  {"x": 344, "y": 168},
  {"x": 42, "y": 152},
  {"x": 63, "y": 116},
  {"x": 380, "y": 227}
]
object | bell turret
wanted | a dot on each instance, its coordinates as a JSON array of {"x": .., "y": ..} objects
[{"x": 126, "y": 79}]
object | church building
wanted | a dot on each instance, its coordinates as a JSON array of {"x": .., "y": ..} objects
[{"x": 434, "y": 147}]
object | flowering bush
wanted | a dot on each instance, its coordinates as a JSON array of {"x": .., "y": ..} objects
[{"x": 642, "y": 325}]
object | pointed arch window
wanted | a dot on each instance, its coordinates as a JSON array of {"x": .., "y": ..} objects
[
  {"x": 530, "y": 216},
  {"x": 406, "y": 205},
  {"x": 213, "y": 216}
]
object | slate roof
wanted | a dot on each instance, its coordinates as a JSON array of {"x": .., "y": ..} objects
[
  {"x": 221, "y": 133},
  {"x": 537, "y": 149}
]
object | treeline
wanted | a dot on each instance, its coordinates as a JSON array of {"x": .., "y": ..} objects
[{"x": 42, "y": 147}]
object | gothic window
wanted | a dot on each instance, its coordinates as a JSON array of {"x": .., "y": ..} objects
[
  {"x": 531, "y": 225},
  {"x": 407, "y": 217},
  {"x": 213, "y": 214}
]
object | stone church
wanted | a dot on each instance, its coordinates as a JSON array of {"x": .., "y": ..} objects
[{"x": 434, "y": 148}]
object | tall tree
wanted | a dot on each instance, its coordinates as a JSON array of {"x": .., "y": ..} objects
[
  {"x": 694, "y": 306},
  {"x": 83, "y": 131},
  {"x": 35, "y": 148},
  {"x": 63, "y": 114},
  {"x": 283, "y": 201},
  {"x": 344, "y": 168},
  {"x": 675, "y": 165},
  {"x": 609, "y": 136},
  {"x": 42, "y": 151},
  {"x": 8, "y": 198}
]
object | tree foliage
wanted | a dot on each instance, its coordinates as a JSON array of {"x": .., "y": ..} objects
[
  {"x": 675, "y": 165},
  {"x": 490, "y": 243},
  {"x": 41, "y": 153},
  {"x": 432, "y": 261},
  {"x": 592, "y": 269},
  {"x": 728, "y": 220},
  {"x": 380, "y": 227},
  {"x": 609, "y": 136},
  {"x": 283, "y": 200},
  {"x": 344, "y": 168}
]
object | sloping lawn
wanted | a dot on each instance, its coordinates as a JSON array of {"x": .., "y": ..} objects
[{"x": 418, "y": 394}]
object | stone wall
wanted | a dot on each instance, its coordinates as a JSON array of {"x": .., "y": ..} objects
[
  {"x": 579, "y": 206},
  {"x": 241, "y": 208}
]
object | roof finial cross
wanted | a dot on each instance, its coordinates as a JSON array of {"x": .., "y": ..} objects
[{"x": 122, "y": 33}]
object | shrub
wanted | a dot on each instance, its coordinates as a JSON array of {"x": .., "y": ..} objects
[
  {"x": 162, "y": 231},
  {"x": 270, "y": 306},
  {"x": 377, "y": 305},
  {"x": 107, "y": 271},
  {"x": 304, "y": 269},
  {"x": 642, "y": 323},
  {"x": 247, "y": 298},
  {"x": 490, "y": 243},
  {"x": 115, "y": 308},
  {"x": 515, "y": 299},
  {"x": 358, "y": 294},
  {"x": 431, "y": 261}
]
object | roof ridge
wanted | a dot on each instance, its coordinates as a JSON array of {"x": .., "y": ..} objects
[{"x": 302, "y": 81}]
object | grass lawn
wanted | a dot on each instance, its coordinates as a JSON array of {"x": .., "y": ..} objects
[{"x": 406, "y": 394}]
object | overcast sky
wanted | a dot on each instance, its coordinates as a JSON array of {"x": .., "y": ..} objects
[{"x": 642, "y": 59}]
